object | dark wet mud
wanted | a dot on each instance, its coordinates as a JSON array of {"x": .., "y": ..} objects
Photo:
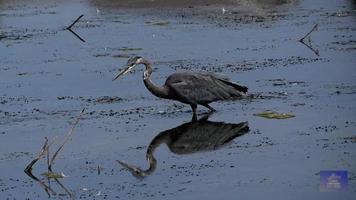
[{"x": 48, "y": 75}]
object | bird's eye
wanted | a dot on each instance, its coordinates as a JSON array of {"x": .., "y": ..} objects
[{"x": 138, "y": 60}]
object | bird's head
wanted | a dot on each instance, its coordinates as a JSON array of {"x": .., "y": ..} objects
[
  {"x": 135, "y": 171},
  {"x": 131, "y": 63}
]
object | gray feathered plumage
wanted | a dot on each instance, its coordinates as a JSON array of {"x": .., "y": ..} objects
[
  {"x": 192, "y": 88},
  {"x": 202, "y": 88}
]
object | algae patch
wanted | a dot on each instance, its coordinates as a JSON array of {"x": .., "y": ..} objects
[
  {"x": 158, "y": 23},
  {"x": 52, "y": 175},
  {"x": 274, "y": 115}
]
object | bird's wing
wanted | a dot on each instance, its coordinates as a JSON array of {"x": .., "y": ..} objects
[
  {"x": 215, "y": 75},
  {"x": 226, "y": 80},
  {"x": 197, "y": 88}
]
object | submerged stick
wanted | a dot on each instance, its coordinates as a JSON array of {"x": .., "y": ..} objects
[
  {"x": 69, "y": 134},
  {"x": 40, "y": 154},
  {"x": 28, "y": 169},
  {"x": 46, "y": 188},
  {"x": 69, "y": 28},
  {"x": 45, "y": 152},
  {"x": 316, "y": 51},
  {"x": 74, "y": 33},
  {"x": 71, "y": 196},
  {"x": 315, "y": 27}
]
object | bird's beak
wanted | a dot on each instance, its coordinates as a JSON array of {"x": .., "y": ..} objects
[
  {"x": 135, "y": 171},
  {"x": 122, "y": 72}
]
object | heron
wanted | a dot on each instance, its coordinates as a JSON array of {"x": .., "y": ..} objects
[
  {"x": 191, "y": 88},
  {"x": 191, "y": 137}
]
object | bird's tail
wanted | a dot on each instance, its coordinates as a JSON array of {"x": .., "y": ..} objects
[{"x": 240, "y": 88}]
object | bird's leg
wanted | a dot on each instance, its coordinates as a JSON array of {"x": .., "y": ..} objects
[
  {"x": 210, "y": 108},
  {"x": 194, "y": 109},
  {"x": 205, "y": 117},
  {"x": 194, "y": 118}
]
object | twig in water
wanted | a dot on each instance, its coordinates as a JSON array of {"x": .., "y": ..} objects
[
  {"x": 69, "y": 28},
  {"x": 76, "y": 35},
  {"x": 45, "y": 152},
  {"x": 28, "y": 169},
  {"x": 316, "y": 51},
  {"x": 46, "y": 188},
  {"x": 71, "y": 196},
  {"x": 99, "y": 169},
  {"x": 69, "y": 134},
  {"x": 302, "y": 40},
  {"x": 40, "y": 154},
  {"x": 315, "y": 27}
]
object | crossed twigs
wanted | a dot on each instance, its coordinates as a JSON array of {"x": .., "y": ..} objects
[
  {"x": 50, "y": 174},
  {"x": 69, "y": 28},
  {"x": 308, "y": 43}
]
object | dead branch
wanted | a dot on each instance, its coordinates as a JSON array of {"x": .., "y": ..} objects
[
  {"x": 68, "y": 136},
  {"x": 71, "y": 196},
  {"x": 316, "y": 51},
  {"x": 40, "y": 154},
  {"x": 99, "y": 169},
  {"x": 46, "y": 188},
  {"x": 69, "y": 28},
  {"x": 302, "y": 40},
  {"x": 45, "y": 152},
  {"x": 28, "y": 169},
  {"x": 315, "y": 27},
  {"x": 76, "y": 35}
]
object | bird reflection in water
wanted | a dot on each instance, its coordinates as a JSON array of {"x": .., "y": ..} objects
[{"x": 195, "y": 136}]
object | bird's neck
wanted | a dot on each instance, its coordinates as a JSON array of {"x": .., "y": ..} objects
[
  {"x": 157, "y": 141},
  {"x": 158, "y": 91},
  {"x": 152, "y": 167},
  {"x": 151, "y": 160}
]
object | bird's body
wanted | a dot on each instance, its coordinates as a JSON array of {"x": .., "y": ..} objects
[
  {"x": 190, "y": 87},
  {"x": 202, "y": 88}
]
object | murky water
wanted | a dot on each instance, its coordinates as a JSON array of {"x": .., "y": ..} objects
[{"x": 47, "y": 75}]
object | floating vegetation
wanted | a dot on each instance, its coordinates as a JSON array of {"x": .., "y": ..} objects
[
  {"x": 52, "y": 175},
  {"x": 341, "y": 89},
  {"x": 13, "y": 155},
  {"x": 129, "y": 49},
  {"x": 274, "y": 115},
  {"x": 297, "y": 104},
  {"x": 351, "y": 139},
  {"x": 23, "y": 73},
  {"x": 102, "y": 55},
  {"x": 284, "y": 82},
  {"x": 122, "y": 56},
  {"x": 100, "y": 99},
  {"x": 158, "y": 23},
  {"x": 107, "y": 99}
]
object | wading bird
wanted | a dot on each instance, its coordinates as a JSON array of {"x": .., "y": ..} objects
[
  {"x": 192, "y": 137},
  {"x": 189, "y": 87}
]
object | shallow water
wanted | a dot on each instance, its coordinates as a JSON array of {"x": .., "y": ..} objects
[{"x": 47, "y": 76}]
